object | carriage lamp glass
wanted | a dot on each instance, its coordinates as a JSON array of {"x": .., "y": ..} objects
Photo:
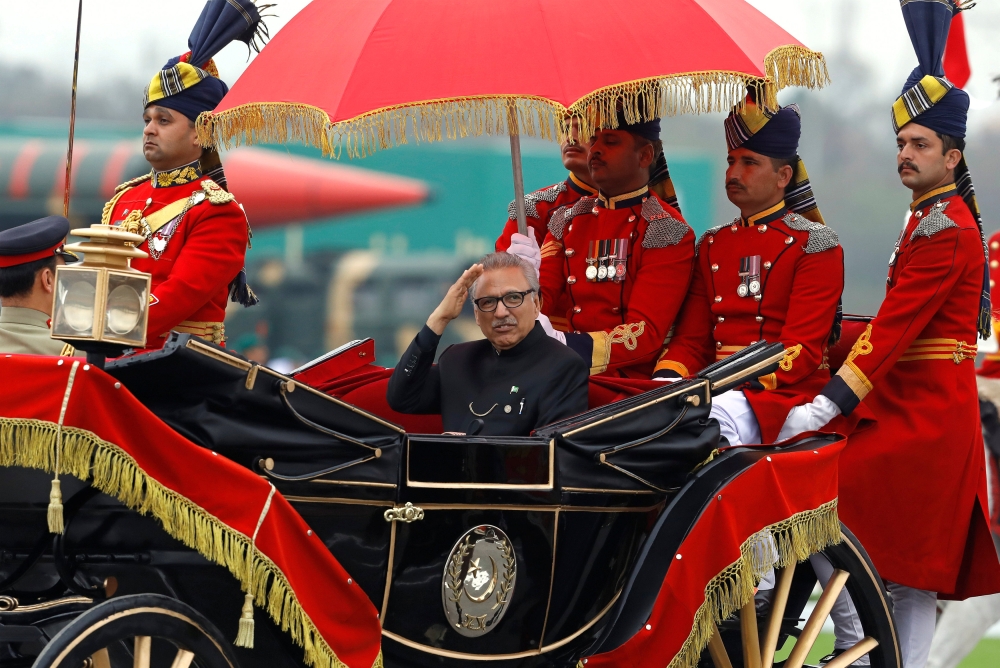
[
  {"x": 74, "y": 310},
  {"x": 102, "y": 300}
]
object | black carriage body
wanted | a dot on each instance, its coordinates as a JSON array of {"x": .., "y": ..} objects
[{"x": 582, "y": 502}]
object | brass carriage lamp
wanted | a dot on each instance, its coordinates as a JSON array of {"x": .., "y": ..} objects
[{"x": 102, "y": 305}]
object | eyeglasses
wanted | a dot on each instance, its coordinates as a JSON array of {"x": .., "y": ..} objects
[{"x": 510, "y": 300}]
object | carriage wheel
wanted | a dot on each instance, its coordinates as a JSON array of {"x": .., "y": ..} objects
[
  {"x": 751, "y": 640},
  {"x": 140, "y": 631}
]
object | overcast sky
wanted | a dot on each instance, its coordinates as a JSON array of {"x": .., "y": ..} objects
[{"x": 133, "y": 38}]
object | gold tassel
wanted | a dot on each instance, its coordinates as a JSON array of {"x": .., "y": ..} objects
[
  {"x": 55, "y": 511},
  {"x": 55, "y": 514},
  {"x": 244, "y": 638}
]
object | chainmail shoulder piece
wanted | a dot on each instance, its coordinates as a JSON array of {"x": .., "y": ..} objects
[
  {"x": 564, "y": 214},
  {"x": 821, "y": 237},
  {"x": 710, "y": 232},
  {"x": 933, "y": 222},
  {"x": 531, "y": 200},
  {"x": 663, "y": 229}
]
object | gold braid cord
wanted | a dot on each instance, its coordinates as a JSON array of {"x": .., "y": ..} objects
[
  {"x": 84, "y": 455},
  {"x": 789, "y": 541},
  {"x": 434, "y": 120}
]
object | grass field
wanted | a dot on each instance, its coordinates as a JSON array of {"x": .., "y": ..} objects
[{"x": 986, "y": 654}]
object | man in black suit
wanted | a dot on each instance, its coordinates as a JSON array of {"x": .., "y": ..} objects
[{"x": 514, "y": 381}]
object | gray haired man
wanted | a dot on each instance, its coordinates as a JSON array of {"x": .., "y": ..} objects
[{"x": 514, "y": 381}]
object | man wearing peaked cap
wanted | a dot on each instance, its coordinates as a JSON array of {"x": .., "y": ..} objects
[
  {"x": 913, "y": 489},
  {"x": 196, "y": 234},
  {"x": 29, "y": 255}
]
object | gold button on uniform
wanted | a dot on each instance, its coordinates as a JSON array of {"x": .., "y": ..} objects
[
  {"x": 789, "y": 240},
  {"x": 711, "y": 240},
  {"x": 994, "y": 264},
  {"x": 616, "y": 309},
  {"x": 570, "y": 252},
  {"x": 718, "y": 298},
  {"x": 759, "y": 319},
  {"x": 762, "y": 229},
  {"x": 718, "y": 345},
  {"x": 571, "y": 279},
  {"x": 722, "y": 319},
  {"x": 767, "y": 265},
  {"x": 715, "y": 267},
  {"x": 995, "y": 245},
  {"x": 577, "y": 309}
]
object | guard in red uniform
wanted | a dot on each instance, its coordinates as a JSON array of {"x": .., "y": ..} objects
[
  {"x": 776, "y": 273},
  {"x": 196, "y": 233},
  {"x": 617, "y": 266},
  {"x": 913, "y": 489},
  {"x": 539, "y": 205}
]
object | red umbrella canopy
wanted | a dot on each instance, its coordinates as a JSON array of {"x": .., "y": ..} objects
[{"x": 367, "y": 74}]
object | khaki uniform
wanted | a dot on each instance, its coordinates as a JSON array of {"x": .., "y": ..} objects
[{"x": 26, "y": 331}]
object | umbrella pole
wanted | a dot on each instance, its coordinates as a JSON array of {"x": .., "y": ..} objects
[{"x": 515, "y": 163}]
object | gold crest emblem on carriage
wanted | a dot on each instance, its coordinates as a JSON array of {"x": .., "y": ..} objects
[{"x": 478, "y": 580}]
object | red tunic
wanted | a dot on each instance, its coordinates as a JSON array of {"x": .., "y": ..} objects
[
  {"x": 194, "y": 257},
  {"x": 801, "y": 278},
  {"x": 913, "y": 488},
  {"x": 991, "y": 363},
  {"x": 538, "y": 207},
  {"x": 618, "y": 325}
]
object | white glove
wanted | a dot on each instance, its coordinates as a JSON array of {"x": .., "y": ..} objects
[
  {"x": 527, "y": 249},
  {"x": 547, "y": 326},
  {"x": 808, "y": 417}
]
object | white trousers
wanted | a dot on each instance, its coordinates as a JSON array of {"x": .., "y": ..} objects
[
  {"x": 960, "y": 628},
  {"x": 736, "y": 418}
]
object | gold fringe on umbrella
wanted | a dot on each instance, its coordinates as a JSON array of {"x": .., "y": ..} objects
[
  {"x": 786, "y": 542},
  {"x": 434, "y": 120},
  {"x": 84, "y": 455}
]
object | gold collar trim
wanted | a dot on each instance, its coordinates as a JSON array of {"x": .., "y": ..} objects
[
  {"x": 621, "y": 200},
  {"x": 176, "y": 177},
  {"x": 752, "y": 220},
  {"x": 580, "y": 186},
  {"x": 937, "y": 192}
]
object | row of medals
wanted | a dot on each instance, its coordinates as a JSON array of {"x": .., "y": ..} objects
[
  {"x": 749, "y": 276},
  {"x": 607, "y": 260}
]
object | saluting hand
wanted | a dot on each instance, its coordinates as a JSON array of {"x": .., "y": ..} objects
[{"x": 451, "y": 306}]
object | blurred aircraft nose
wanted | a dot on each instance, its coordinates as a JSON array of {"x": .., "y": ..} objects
[{"x": 275, "y": 188}]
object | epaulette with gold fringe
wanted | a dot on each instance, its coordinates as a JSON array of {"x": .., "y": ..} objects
[{"x": 216, "y": 193}]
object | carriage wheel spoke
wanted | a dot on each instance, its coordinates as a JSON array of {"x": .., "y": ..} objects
[
  {"x": 773, "y": 630},
  {"x": 100, "y": 659},
  {"x": 860, "y": 648},
  {"x": 748, "y": 631},
  {"x": 815, "y": 622},
  {"x": 143, "y": 651},
  {"x": 717, "y": 650},
  {"x": 182, "y": 659}
]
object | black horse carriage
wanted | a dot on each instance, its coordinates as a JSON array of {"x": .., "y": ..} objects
[{"x": 529, "y": 551}]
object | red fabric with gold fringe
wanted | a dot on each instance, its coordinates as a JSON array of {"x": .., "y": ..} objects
[
  {"x": 342, "y": 614},
  {"x": 764, "y": 495}
]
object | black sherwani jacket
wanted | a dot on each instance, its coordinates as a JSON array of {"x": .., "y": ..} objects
[{"x": 514, "y": 391}]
